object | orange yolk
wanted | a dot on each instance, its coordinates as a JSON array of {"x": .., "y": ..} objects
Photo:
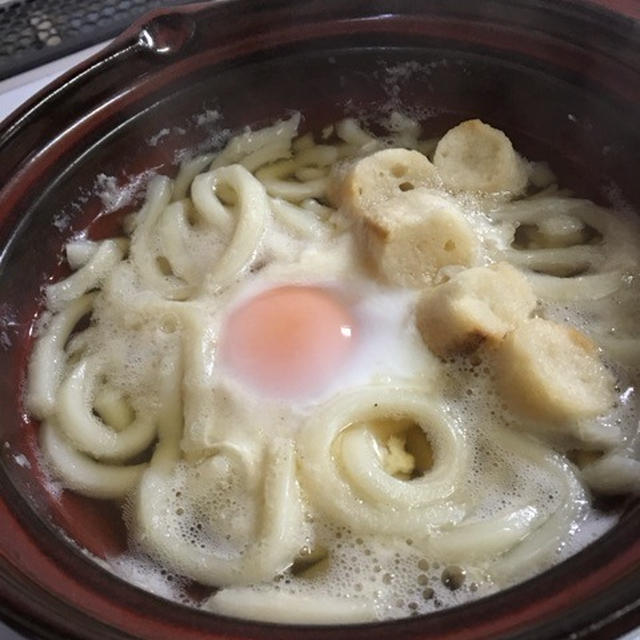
[{"x": 288, "y": 341}]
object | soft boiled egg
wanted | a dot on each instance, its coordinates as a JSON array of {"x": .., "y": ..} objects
[
  {"x": 289, "y": 340},
  {"x": 305, "y": 341}
]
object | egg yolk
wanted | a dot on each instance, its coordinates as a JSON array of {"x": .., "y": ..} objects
[{"x": 288, "y": 341}]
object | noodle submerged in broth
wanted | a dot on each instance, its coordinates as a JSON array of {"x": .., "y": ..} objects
[{"x": 345, "y": 378}]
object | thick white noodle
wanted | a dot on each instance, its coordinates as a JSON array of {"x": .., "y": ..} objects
[
  {"x": 542, "y": 209},
  {"x": 346, "y": 481},
  {"x": 255, "y": 148},
  {"x": 197, "y": 388},
  {"x": 271, "y": 152},
  {"x": 249, "y": 214},
  {"x": 473, "y": 541},
  {"x": 144, "y": 254},
  {"x": 206, "y": 201},
  {"x": 268, "y": 605},
  {"x": 353, "y": 134},
  {"x": 87, "y": 432},
  {"x": 537, "y": 550},
  {"x": 89, "y": 477},
  {"x": 587, "y": 287},
  {"x": 551, "y": 261},
  {"x": 613, "y": 473},
  {"x": 113, "y": 408},
  {"x": 81, "y": 473},
  {"x": 366, "y": 473},
  {"x": 49, "y": 358},
  {"x": 276, "y": 543},
  {"x": 279, "y": 181},
  {"x": 188, "y": 171},
  {"x": 524, "y": 538},
  {"x": 88, "y": 277},
  {"x": 175, "y": 231},
  {"x": 603, "y": 262},
  {"x": 299, "y": 219},
  {"x": 80, "y": 251}
]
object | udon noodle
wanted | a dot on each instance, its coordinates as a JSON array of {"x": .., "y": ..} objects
[{"x": 481, "y": 387}]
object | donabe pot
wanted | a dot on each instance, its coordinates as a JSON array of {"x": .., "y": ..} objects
[{"x": 562, "y": 79}]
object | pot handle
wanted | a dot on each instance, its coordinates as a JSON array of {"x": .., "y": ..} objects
[{"x": 152, "y": 39}]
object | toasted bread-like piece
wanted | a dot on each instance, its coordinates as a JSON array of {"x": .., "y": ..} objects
[
  {"x": 412, "y": 236},
  {"x": 380, "y": 176},
  {"x": 552, "y": 373},
  {"x": 478, "y": 304},
  {"x": 474, "y": 156}
]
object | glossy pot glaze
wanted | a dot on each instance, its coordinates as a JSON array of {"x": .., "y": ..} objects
[{"x": 561, "y": 78}]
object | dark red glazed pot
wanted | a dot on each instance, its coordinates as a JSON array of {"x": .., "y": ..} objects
[{"x": 561, "y": 77}]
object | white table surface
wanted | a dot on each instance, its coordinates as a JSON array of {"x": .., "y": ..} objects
[{"x": 14, "y": 91}]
